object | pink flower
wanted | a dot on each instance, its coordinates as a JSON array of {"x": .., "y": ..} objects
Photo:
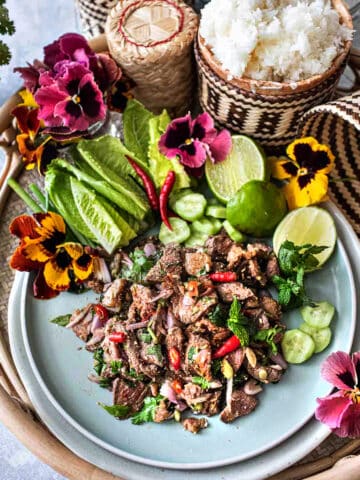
[
  {"x": 193, "y": 141},
  {"x": 69, "y": 97},
  {"x": 341, "y": 410}
]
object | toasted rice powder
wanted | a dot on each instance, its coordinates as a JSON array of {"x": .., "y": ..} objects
[{"x": 277, "y": 40}]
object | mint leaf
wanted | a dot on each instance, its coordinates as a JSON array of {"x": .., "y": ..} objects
[
  {"x": 293, "y": 257},
  {"x": 147, "y": 413},
  {"x": 118, "y": 411},
  {"x": 62, "y": 320},
  {"x": 238, "y": 323},
  {"x": 201, "y": 381},
  {"x": 219, "y": 315}
]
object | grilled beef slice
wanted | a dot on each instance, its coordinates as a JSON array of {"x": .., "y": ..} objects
[
  {"x": 113, "y": 296},
  {"x": 241, "y": 404},
  {"x": 129, "y": 394},
  {"x": 170, "y": 265},
  {"x": 218, "y": 246},
  {"x": 194, "y": 425},
  {"x": 197, "y": 263},
  {"x": 228, "y": 291},
  {"x": 190, "y": 309},
  {"x": 198, "y": 356},
  {"x": 81, "y": 320}
]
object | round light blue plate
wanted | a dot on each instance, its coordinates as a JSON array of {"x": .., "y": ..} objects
[{"x": 61, "y": 367}]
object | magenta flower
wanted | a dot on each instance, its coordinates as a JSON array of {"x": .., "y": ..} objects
[
  {"x": 69, "y": 97},
  {"x": 341, "y": 410},
  {"x": 193, "y": 141}
]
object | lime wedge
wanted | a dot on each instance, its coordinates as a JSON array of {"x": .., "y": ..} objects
[
  {"x": 245, "y": 162},
  {"x": 307, "y": 225}
]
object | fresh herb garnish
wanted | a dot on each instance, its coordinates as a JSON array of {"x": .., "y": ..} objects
[
  {"x": 139, "y": 268},
  {"x": 118, "y": 411},
  {"x": 116, "y": 366},
  {"x": 216, "y": 367},
  {"x": 293, "y": 257},
  {"x": 219, "y": 315},
  {"x": 291, "y": 290},
  {"x": 62, "y": 320},
  {"x": 238, "y": 323},
  {"x": 145, "y": 337},
  {"x": 193, "y": 351},
  {"x": 147, "y": 413},
  {"x": 267, "y": 336},
  {"x": 136, "y": 376},
  {"x": 105, "y": 382},
  {"x": 201, "y": 381},
  {"x": 99, "y": 364},
  {"x": 156, "y": 351}
]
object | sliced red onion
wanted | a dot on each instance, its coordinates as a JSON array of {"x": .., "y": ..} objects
[
  {"x": 252, "y": 387},
  {"x": 163, "y": 294},
  {"x": 136, "y": 326},
  {"x": 84, "y": 315},
  {"x": 187, "y": 301},
  {"x": 98, "y": 336},
  {"x": 101, "y": 271},
  {"x": 126, "y": 260},
  {"x": 229, "y": 390},
  {"x": 114, "y": 351},
  {"x": 96, "y": 323},
  {"x": 279, "y": 359},
  {"x": 149, "y": 250},
  {"x": 170, "y": 320},
  {"x": 167, "y": 391}
]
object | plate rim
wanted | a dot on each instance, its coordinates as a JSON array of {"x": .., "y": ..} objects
[{"x": 173, "y": 465}]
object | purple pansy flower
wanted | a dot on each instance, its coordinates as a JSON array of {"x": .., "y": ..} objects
[
  {"x": 341, "y": 410},
  {"x": 70, "y": 46},
  {"x": 70, "y": 98},
  {"x": 195, "y": 140}
]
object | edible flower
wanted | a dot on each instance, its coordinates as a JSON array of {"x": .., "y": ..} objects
[
  {"x": 43, "y": 248},
  {"x": 305, "y": 172},
  {"x": 193, "y": 141},
  {"x": 35, "y": 150},
  {"x": 341, "y": 410}
]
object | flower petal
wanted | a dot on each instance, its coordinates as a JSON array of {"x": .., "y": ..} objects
[
  {"x": 282, "y": 168},
  {"x": 56, "y": 272},
  {"x": 30, "y": 75},
  {"x": 41, "y": 289},
  {"x": 177, "y": 133},
  {"x": 306, "y": 190},
  {"x": 75, "y": 250},
  {"x": 331, "y": 409},
  {"x": 203, "y": 129},
  {"x": 350, "y": 422},
  {"x": 50, "y": 223},
  {"x": 36, "y": 251},
  {"x": 83, "y": 267},
  {"x": 20, "y": 262},
  {"x": 193, "y": 155},
  {"x": 339, "y": 370},
  {"x": 356, "y": 361},
  {"x": 24, "y": 226},
  {"x": 48, "y": 98},
  {"x": 220, "y": 147},
  {"x": 27, "y": 120}
]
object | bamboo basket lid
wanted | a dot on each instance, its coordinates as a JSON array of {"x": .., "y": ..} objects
[
  {"x": 16, "y": 411},
  {"x": 152, "y": 42}
]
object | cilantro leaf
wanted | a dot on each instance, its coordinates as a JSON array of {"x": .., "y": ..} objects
[
  {"x": 216, "y": 367},
  {"x": 268, "y": 336},
  {"x": 141, "y": 264},
  {"x": 156, "y": 351},
  {"x": 147, "y": 413},
  {"x": 201, "y": 381},
  {"x": 62, "y": 320},
  {"x": 193, "y": 351},
  {"x": 238, "y": 323},
  {"x": 118, "y": 411},
  {"x": 99, "y": 363},
  {"x": 105, "y": 382},
  {"x": 116, "y": 366},
  {"x": 145, "y": 337},
  {"x": 219, "y": 315}
]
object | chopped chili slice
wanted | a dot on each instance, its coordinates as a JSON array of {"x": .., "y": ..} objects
[
  {"x": 101, "y": 312},
  {"x": 229, "y": 346},
  {"x": 174, "y": 358},
  {"x": 223, "y": 277},
  {"x": 117, "y": 337}
]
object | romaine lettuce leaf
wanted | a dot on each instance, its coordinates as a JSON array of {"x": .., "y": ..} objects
[{"x": 136, "y": 129}]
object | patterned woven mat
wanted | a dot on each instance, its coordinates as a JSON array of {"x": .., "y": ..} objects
[{"x": 15, "y": 207}]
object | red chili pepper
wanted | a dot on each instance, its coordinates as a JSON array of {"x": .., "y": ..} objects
[
  {"x": 117, "y": 337},
  {"x": 164, "y": 196},
  {"x": 101, "y": 312},
  {"x": 174, "y": 358},
  {"x": 223, "y": 277},
  {"x": 177, "y": 386},
  {"x": 147, "y": 182},
  {"x": 230, "y": 345},
  {"x": 193, "y": 288}
]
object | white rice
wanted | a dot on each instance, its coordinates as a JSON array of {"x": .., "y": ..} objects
[{"x": 278, "y": 40}]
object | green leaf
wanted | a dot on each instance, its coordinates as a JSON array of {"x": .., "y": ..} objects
[
  {"x": 140, "y": 266},
  {"x": 201, "y": 381},
  {"x": 118, "y": 411},
  {"x": 238, "y": 322},
  {"x": 156, "y": 351},
  {"x": 116, "y": 366},
  {"x": 136, "y": 376},
  {"x": 136, "y": 129},
  {"x": 99, "y": 363},
  {"x": 62, "y": 320},
  {"x": 105, "y": 382},
  {"x": 219, "y": 315},
  {"x": 159, "y": 164},
  {"x": 293, "y": 257},
  {"x": 267, "y": 336},
  {"x": 147, "y": 413},
  {"x": 145, "y": 337},
  {"x": 193, "y": 351}
]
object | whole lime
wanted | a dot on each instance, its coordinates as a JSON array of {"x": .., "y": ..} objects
[{"x": 256, "y": 208}]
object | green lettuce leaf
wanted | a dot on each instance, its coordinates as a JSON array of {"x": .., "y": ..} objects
[
  {"x": 136, "y": 129},
  {"x": 159, "y": 165}
]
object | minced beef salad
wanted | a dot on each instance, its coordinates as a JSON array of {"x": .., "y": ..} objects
[{"x": 185, "y": 329}]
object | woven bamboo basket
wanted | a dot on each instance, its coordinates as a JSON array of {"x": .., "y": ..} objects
[
  {"x": 93, "y": 15},
  {"x": 333, "y": 458},
  {"x": 152, "y": 42},
  {"x": 267, "y": 111}
]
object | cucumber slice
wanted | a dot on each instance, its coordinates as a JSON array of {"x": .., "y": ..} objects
[
  {"x": 214, "y": 201},
  {"x": 297, "y": 346},
  {"x": 321, "y": 337},
  {"x": 196, "y": 239},
  {"x": 179, "y": 233},
  {"x": 190, "y": 207},
  {"x": 207, "y": 226},
  {"x": 319, "y": 316},
  {"x": 177, "y": 194},
  {"x": 215, "y": 211},
  {"x": 233, "y": 233}
]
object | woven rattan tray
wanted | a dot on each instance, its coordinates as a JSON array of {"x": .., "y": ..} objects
[{"x": 16, "y": 411}]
